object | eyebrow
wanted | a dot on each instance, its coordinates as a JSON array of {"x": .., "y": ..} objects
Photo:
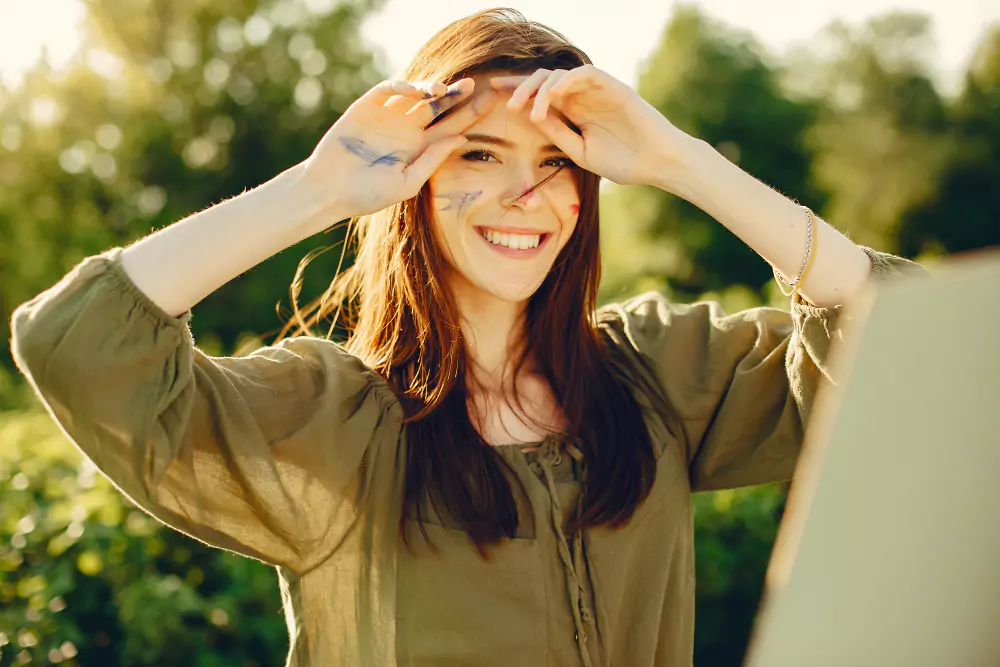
[{"x": 503, "y": 143}]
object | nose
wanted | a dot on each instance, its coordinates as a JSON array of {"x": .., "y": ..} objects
[{"x": 516, "y": 193}]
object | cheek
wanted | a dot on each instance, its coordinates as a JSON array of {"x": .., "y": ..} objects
[
  {"x": 457, "y": 174},
  {"x": 455, "y": 193},
  {"x": 565, "y": 202}
]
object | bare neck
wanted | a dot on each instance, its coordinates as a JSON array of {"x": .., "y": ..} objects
[{"x": 492, "y": 329}]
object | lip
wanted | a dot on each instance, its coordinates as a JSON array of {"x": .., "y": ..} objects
[
  {"x": 528, "y": 253},
  {"x": 514, "y": 230}
]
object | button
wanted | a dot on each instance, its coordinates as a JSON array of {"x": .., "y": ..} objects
[{"x": 576, "y": 636}]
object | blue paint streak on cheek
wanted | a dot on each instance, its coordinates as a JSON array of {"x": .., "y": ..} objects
[
  {"x": 461, "y": 198},
  {"x": 468, "y": 198},
  {"x": 448, "y": 198}
]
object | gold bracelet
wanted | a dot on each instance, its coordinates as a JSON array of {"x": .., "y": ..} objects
[{"x": 806, "y": 260}]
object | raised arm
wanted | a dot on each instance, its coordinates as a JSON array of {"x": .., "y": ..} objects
[
  {"x": 625, "y": 139},
  {"x": 767, "y": 221},
  {"x": 375, "y": 155},
  {"x": 741, "y": 384},
  {"x": 269, "y": 455}
]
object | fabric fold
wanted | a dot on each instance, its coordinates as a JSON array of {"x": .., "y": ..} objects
[{"x": 262, "y": 455}]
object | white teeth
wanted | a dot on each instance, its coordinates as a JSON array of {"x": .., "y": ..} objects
[{"x": 512, "y": 241}]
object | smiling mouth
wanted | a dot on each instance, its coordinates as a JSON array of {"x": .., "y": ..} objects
[{"x": 512, "y": 241}]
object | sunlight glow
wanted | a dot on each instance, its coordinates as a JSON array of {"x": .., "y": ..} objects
[
  {"x": 618, "y": 41},
  {"x": 27, "y": 27}
]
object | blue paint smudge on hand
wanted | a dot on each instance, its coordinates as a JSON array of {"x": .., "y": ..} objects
[
  {"x": 435, "y": 103},
  {"x": 368, "y": 154}
]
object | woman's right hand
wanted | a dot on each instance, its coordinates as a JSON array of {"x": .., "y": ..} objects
[{"x": 379, "y": 153}]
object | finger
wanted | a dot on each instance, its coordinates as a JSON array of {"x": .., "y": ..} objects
[
  {"x": 564, "y": 137},
  {"x": 433, "y": 156},
  {"x": 507, "y": 82},
  {"x": 415, "y": 92},
  {"x": 576, "y": 81},
  {"x": 435, "y": 88},
  {"x": 541, "y": 105},
  {"x": 527, "y": 88},
  {"x": 433, "y": 106},
  {"x": 464, "y": 116},
  {"x": 386, "y": 90}
]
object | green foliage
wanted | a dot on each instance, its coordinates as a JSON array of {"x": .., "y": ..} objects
[
  {"x": 883, "y": 138},
  {"x": 182, "y": 105},
  {"x": 963, "y": 212},
  {"x": 716, "y": 85},
  {"x": 87, "y": 578},
  {"x": 734, "y": 532}
]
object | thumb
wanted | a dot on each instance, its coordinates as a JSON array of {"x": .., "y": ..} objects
[{"x": 433, "y": 156}]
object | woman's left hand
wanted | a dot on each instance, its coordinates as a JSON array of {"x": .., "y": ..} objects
[{"x": 622, "y": 137}]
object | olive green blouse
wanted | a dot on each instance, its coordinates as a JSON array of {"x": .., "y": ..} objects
[{"x": 294, "y": 455}]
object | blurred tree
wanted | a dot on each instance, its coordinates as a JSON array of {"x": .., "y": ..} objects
[
  {"x": 173, "y": 106},
  {"x": 963, "y": 213},
  {"x": 88, "y": 579},
  {"x": 713, "y": 83},
  {"x": 882, "y": 138},
  {"x": 734, "y": 533}
]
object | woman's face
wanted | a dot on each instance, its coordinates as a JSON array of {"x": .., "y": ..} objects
[{"x": 496, "y": 244}]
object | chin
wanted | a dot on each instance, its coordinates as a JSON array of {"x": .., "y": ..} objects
[{"x": 508, "y": 292}]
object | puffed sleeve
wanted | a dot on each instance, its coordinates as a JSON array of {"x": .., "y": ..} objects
[
  {"x": 264, "y": 455},
  {"x": 741, "y": 384}
]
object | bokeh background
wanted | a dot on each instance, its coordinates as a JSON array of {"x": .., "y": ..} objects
[{"x": 168, "y": 106}]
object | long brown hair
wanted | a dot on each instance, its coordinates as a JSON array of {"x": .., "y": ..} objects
[{"x": 404, "y": 323}]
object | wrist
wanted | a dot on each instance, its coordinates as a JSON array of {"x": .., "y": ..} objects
[
  {"x": 318, "y": 201},
  {"x": 679, "y": 164}
]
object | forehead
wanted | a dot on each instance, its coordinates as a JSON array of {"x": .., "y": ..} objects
[{"x": 513, "y": 126}]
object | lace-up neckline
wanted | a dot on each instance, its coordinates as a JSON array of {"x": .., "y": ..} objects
[{"x": 543, "y": 457}]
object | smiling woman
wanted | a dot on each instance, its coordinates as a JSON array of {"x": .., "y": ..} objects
[{"x": 544, "y": 450}]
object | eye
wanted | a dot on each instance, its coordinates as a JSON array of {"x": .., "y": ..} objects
[
  {"x": 559, "y": 162},
  {"x": 479, "y": 155}
]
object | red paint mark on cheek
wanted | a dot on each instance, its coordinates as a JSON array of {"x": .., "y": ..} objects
[{"x": 574, "y": 209}]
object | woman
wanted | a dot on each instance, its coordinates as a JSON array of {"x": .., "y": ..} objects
[{"x": 543, "y": 452}]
